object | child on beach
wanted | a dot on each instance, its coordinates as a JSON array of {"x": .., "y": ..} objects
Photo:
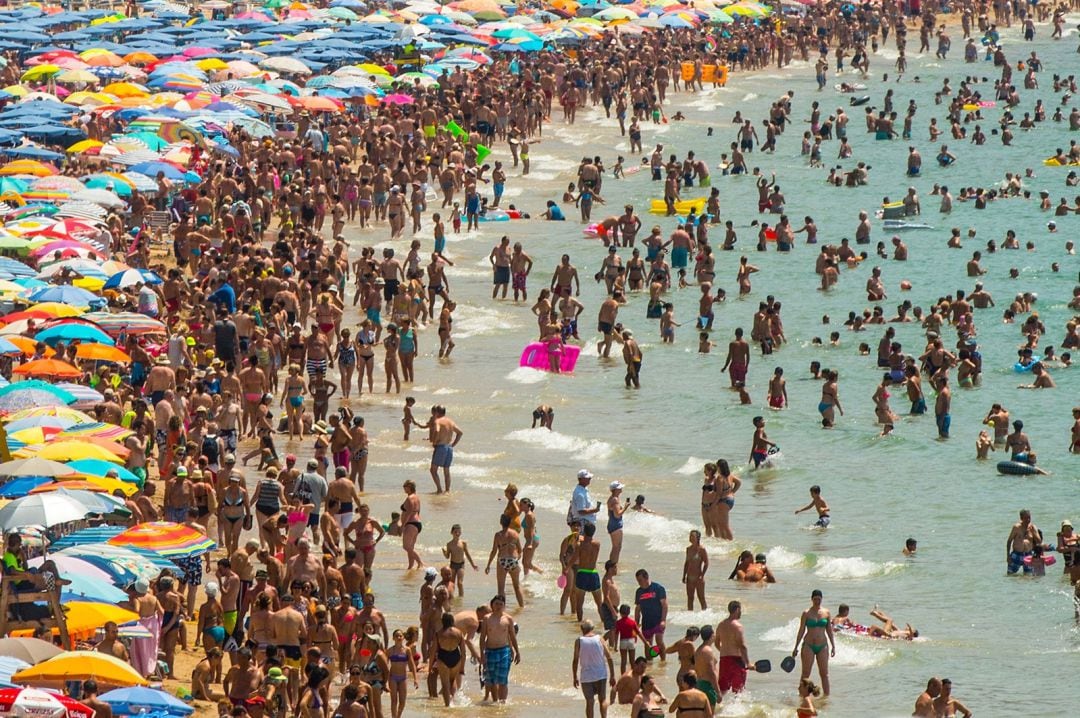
[
  {"x": 407, "y": 419},
  {"x": 807, "y": 692},
  {"x": 704, "y": 345},
  {"x": 668, "y": 324},
  {"x": 639, "y": 505},
  {"x": 617, "y": 171},
  {"x": 629, "y": 632},
  {"x": 455, "y": 218},
  {"x": 984, "y": 445},
  {"x": 816, "y": 502},
  {"x": 744, "y": 395},
  {"x": 457, "y": 551}
]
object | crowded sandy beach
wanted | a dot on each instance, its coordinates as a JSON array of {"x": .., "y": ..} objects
[{"x": 371, "y": 359}]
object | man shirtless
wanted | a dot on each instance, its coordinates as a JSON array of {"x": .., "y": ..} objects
[
  {"x": 733, "y": 657},
  {"x": 289, "y": 629},
  {"x": 738, "y": 359},
  {"x": 243, "y": 680},
  {"x": 586, "y": 579},
  {"x": 499, "y": 646},
  {"x": 706, "y": 666},
  {"x": 445, "y": 435},
  {"x": 1022, "y": 539}
]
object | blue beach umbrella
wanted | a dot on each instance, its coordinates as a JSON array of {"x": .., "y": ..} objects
[
  {"x": 65, "y": 294},
  {"x": 131, "y": 277},
  {"x": 134, "y": 701},
  {"x": 21, "y": 486},
  {"x": 100, "y": 467},
  {"x": 73, "y": 331}
]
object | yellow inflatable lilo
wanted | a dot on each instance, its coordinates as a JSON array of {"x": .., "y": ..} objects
[
  {"x": 659, "y": 206},
  {"x": 1053, "y": 162}
]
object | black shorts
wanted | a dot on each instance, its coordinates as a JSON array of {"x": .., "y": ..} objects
[
  {"x": 607, "y": 617},
  {"x": 502, "y": 275},
  {"x": 390, "y": 289}
]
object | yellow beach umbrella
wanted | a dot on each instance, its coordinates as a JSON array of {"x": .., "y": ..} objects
[
  {"x": 61, "y": 412},
  {"x": 84, "y": 145},
  {"x": 210, "y": 64},
  {"x": 90, "y": 98},
  {"x": 107, "y": 483},
  {"x": 57, "y": 309},
  {"x": 373, "y": 69},
  {"x": 27, "y": 167},
  {"x": 39, "y": 72},
  {"x": 125, "y": 89},
  {"x": 85, "y": 665},
  {"x": 100, "y": 57},
  {"x": 16, "y": 90},
  {"x": 90, "y": 284},
  {"x": 73, "y": 450},
  {"x": 84, "y": 76}
]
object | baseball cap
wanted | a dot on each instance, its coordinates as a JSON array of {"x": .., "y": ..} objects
[
  {"x": 584, "y": 474},
  {"x": 312, "y": 464},
  {"x": 142, "y": 586},
  {"x": 430, "y": 572},
  {"x": 181, "y": 471},
  {"x": 230, "y": 458},
  {"x": 234, "y": 477},
  {"x": 290, "y": 458},
  {"x": 276, "y": 675}
]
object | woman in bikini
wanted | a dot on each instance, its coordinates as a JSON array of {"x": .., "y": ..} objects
[
  {"x": 816, "y": 627},
  {"x": 321, "y": 390},
  {"x": 364, "y": 531},
  {"x": 390, "y": 364},
  {"x": 708, "y": 501},
  {"x": 233, "y": 510},
  {"x": 260, "y": 626},
  {"x": 506, "y": 545},
  {"x": 727, "y": 484},
  {"x": 530, "y": 535},
  {"x": 401, "y": 665},
  {"x": 448, "y": 658},
  {"x": 324, "y": 636},
  {"x": 882, "y": 411},
  {"x": 410, "y": 524},
  {"x": 374, "y": 665},
  {"x": 293, "y": 392},
  {"x": 346, "y": 361},
  {"x": 365, "y": 356},
  {"x": 830, "y": 398},
  {"x": 649, "y": 701},
  {"x": 343, "y": 618}
]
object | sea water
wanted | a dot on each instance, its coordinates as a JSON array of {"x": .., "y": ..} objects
[{"x": 1008, "y": 644}]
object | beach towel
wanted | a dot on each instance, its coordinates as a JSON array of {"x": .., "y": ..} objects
[{"x": 144, "y": 651}]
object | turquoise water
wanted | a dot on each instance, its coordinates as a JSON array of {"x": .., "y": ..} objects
[{"x": 986, "y": 632}]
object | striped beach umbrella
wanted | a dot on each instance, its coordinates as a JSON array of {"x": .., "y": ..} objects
[{"x": 165, "y": 538}]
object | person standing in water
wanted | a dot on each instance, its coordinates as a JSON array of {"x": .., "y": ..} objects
[
  {"x": 694, "y": 568},
  {"x": 815, "y": 626}
]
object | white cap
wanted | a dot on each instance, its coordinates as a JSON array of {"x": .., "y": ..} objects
[
  {"x": 584, "y": 474},
  {"x": 430, "y": 572},
  {"x": 615, "y": 485},
  {"x": 142, "y": 586}
]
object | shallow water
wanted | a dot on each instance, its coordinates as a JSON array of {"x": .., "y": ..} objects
[{"x": 881, "y": 490}]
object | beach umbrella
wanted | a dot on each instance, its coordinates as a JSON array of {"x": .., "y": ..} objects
[
  {"x": 99, "y": 502},
  {"x": 57, "y": 412},
  {"x": 46, "y": 367},
  {"x": 30, "y": 650},
  {"x": 131, "y": 277},
  {"x": 73, "y": 449},
  {"x": 34, "y": 703},
  {"x": 52, "y": 422},
  {"x": 22, "y": 486},
  {"x": 82, "y": 666},
  {"x": 98, "y": 467},
  {"x": 103, "y": 197},
  {"x": 72, "y": 331},
  {"x": 120, "y": 561},
  {"x": 101, "y": 352},
  {"x": 25, "y": 394},
  {"x": 135, "y": 701},
  {"x": 9, "y": 665},
  {"x": 35, "y": 467},
  {"x": 289, "y": 65},
  {"x": 41, "y": 510},
  {"x": 40, "y": 72},
  {"x": 85, "y": 396},
  {"x": 28, "y": 167},
  {"x": 165, "y": 538},
  {"x": 96, "y": 430},
  {"x": 130, "y": 322},
  {"x": 70, "y": 564},
  {"x": 65, "y": 294}
]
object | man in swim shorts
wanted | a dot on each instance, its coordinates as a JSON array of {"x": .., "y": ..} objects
[
  {"x": 499, "y": 646},
  {"x": 733, "y": 656},
  {"x": 1022, "y": 539}
]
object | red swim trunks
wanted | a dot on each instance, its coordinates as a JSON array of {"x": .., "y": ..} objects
[
  {"x": 732, "y": 674},
  {"x": 738, "y": 371}
]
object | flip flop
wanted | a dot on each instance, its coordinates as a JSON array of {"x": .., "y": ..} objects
[{"x": 788, "y": 664}]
